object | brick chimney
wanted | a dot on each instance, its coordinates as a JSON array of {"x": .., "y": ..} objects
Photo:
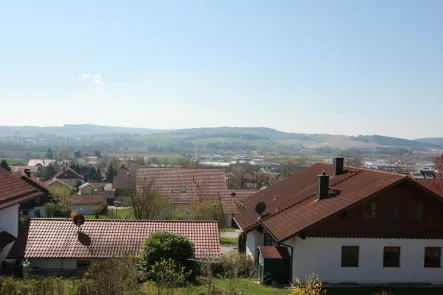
[{"x": 27, "y": 172}]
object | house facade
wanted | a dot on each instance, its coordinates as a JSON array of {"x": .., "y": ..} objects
[
  {"x": 13, "y": 192},
  {"x": 85, "y": 204},
  {"x": 69, "y": 176},
  {"x": 58, "y": 245},
  {"x": 349, "y": 225}
]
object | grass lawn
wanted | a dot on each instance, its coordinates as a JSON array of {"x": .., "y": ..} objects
[
  {"x": 120, "y": 214},
  {"x": 230, "y": 241},
  {"x": 12, "y": 161},
  {"x": 394, "y": 291}
]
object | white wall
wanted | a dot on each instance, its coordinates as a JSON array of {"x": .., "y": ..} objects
[
  {"x": 58, "y": 263},
  {"x": 253, "y": 240},
  {"x": 9, "y": 220},
  {"x": 83, "y": 209},
  {"x": 323, "y": 256}
]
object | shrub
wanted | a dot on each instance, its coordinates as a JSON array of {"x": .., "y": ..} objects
[
  {"x": 113, "y": 276},
  {"x": 311, "y": 286},
  {"x": 242, "y": 243},
  {"x": 234, "y": 265},
  {"x": 100, "y": 209},
  {"x": 167, "y": 275},
  {"x": 50, "y": 209},
  {"x": 166, "y": 246}
]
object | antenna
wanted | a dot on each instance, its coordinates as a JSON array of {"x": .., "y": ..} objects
[{"x": 260, "y": 208}]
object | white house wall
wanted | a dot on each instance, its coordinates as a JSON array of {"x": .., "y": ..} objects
[
  {"x": 9, "y": 220},
  {"x": 83, "y": 209},
  {"x": 323, "y": 256},
  {"x": 253, "y": 240},
  {"x": 58, "y": 263}
]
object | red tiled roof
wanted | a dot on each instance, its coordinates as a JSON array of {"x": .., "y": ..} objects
[
  {"x": 292, "y": 206},
  {"x": 5, "y": 239},
  {"x": 68, "y": 170},
  {"x": 87, "y": 199},
  {"x": 13, "y": 190},
  {"x": 49, "y": 182},
  {"x": 59, "y": 238},
  {"x": 198, "y": 183},
  {"x": 273, "y": 252}
]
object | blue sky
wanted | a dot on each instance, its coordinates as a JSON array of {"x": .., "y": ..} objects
[{"x": 340, "y": 67}]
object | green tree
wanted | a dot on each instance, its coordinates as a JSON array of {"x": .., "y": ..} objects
[
  {"x": 5, "y": 165},
  {"x": 49, "y": 172},
  {"x": 91, "y": 174},
  {"x": 98, "y": 175},
  {"x": 63, "y": 199},
  {"x": 115, "y": 163},
  {"x": 62, "y": 154},
  {"x": 139, "y": 160},
  {"x": 161, "y": 246},
  {"x": 77, "y": 154},
  {"x": 49, "y": 154},
  {"x": 111, "y": 173},
  {"x": 97, "y": 154}
]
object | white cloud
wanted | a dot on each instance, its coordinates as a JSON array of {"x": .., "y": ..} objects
[{"x": 95, "y": 78}]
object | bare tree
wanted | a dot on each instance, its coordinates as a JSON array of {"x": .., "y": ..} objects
[
  {"x": 259, "y": 179},
  {"x": 147, "y": 202}
]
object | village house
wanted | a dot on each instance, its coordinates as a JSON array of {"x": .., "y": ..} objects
[
  {"x": 85, "y": 204},
  {"x": 346, "y": 224},
  {"x": 34, "y": 207},
  {"x": 86, "y": 188},
  {"x": 18, "y": 169},
  {"x": 40, "y": 163},
  {"x": 13, "y": 192},
  {"x": 58, "y": 245},
  {"x": 56, "y": 183},
  {"x": 69, "y": 176}
]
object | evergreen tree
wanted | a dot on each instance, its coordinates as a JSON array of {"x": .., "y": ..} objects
[
  {"x": 99, "y": 174},
  {"x": 5, "y": 165},
  {"x": 77, "y": 168},
  {"x": 97, "y": 154},
  {"x": 77, "y": 154},
  {"x": 49, "y": 154},
  {"x": 111, "y": 173}
]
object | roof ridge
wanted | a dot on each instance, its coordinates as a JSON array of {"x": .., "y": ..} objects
[
  {"x": 129, "y": 221},
  {"x": 357, "y": 171}
]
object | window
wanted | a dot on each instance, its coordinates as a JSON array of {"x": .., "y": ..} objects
[
  {"x": 432, "y": 256},
  {"x": 349, "y": 256},
  {"x": 267, "y": 239},
  {"x": 369, "y": 210},
  {"x": 25, "y": 212},
  {"x": 391, "y": 257},
  {"x": 393, "y": 212},
  {"x": 183, "y": 189},
  {"x": 417, "y": 212},
  {"x": 83, "y": 264}
]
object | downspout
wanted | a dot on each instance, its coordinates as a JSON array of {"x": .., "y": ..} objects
[{"x": 291, "y": 260}]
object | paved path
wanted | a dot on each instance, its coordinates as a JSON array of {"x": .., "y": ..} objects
[{"x": 229, "y": 234}]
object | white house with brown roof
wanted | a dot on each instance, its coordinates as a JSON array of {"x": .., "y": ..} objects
[
  {"x": 13, "y": 192},
  {"x": 348, "y": 225},
  {"x": 58, "y": 245},
  {"x": 85, "y": 204},
  {"x": 69, "y": 176}
]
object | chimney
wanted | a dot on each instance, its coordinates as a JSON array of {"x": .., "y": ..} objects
[
  {"x": 338, "y": 165},
  {"x": 323, "y": 185},
  {"x": 28, "y": 172}
]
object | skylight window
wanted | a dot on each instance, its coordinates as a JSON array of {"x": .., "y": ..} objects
[{"x": 183, "y": 189}]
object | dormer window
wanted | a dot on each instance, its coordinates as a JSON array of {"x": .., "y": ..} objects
[{"x": 183, "y": 189}]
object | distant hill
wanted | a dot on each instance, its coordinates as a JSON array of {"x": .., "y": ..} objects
[{"x": 223, "y": 138}]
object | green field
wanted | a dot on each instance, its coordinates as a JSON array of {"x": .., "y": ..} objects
[
  {"x": 112, "y": 214},
  {"x": 12, "y": 161},
  {"x": 228, "y": 241}
]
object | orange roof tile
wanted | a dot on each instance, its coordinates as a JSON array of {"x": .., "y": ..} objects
[{"x": 59, "y": 238}]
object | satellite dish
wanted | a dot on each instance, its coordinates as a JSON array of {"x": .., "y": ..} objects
[
  {"x": 78, "y": 220},
  {"x": 260, "y": 208},
  {"x": 233, "y": 194}
]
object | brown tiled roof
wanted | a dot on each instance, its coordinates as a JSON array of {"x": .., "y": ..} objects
[
  {"x": 49, "y": 182},
  {"x": 273, "y": 252},
  {"x": 34, "y": 182},
  {"x": 230, "y": 201},
  {"x": 87, "y": 199},
  {"x": 5, "y": 239},
  {"x": 13, "y": 190},
  {"x": 292, "y": 206},
  {"x": 59, "y": 238},
  {"x": 198, "y": 183},
  {"x": 67, "y": 169}
]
